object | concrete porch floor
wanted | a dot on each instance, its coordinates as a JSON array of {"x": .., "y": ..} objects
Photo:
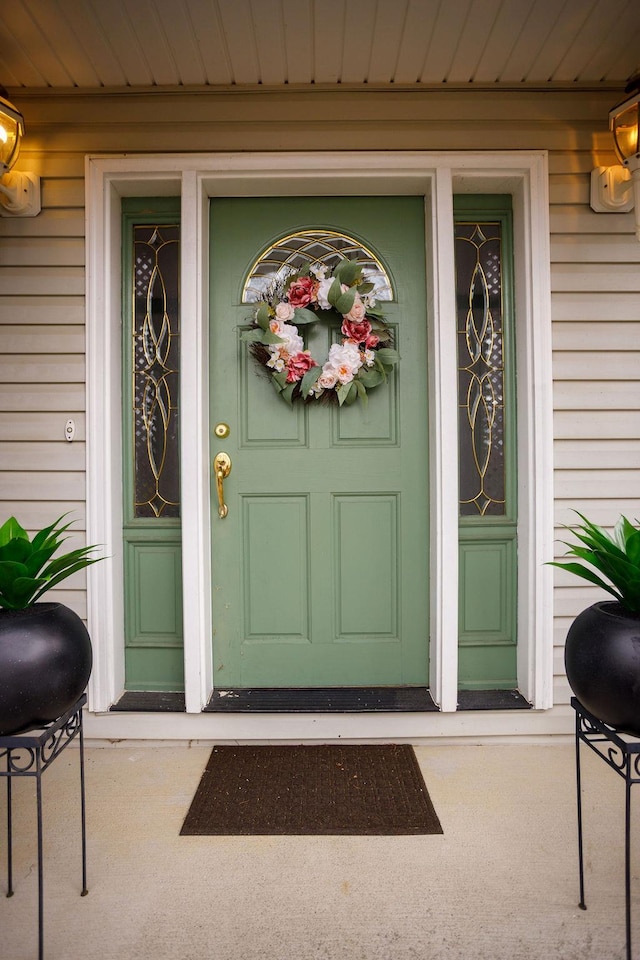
[{"x": 501, "y": 882}]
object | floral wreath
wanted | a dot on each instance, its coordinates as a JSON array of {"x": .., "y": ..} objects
[{"x": 363, "y": 358}]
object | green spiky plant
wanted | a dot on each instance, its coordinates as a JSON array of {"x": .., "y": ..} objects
[
  {"x": 27, "y": 569},
  {"x": 615, "y": 556}
]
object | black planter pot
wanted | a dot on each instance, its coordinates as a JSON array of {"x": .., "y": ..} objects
[
  {"x": 602, "y": 662},
  {"x": 45, "y": 663}
]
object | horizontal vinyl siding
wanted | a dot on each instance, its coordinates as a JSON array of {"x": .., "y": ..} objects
[
  {"x": 595, "y": 281},
  {"x": 595, "y": 274},
  {"x": 42, "y": 367}
]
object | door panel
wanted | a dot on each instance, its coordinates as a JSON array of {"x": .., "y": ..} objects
[{"x": 320, "y": 569}]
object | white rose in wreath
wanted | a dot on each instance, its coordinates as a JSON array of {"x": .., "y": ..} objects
[{"x": 344, "y": 361}]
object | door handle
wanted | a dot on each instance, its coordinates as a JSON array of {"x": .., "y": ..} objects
[{"x": 222, "y": 467}]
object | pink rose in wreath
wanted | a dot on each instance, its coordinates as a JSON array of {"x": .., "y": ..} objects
[
  {"x": 357, "y": 312},
  {"x": 298, "y": 366},
  {"x": 356, "y": 331},
  {"x": 301, "y": 292},
  {"x": 371, "y": 341}
]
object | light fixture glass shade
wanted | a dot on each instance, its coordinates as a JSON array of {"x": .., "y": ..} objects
[
  {"x": 623, "y": 122},
  {"x": 11, "y": 132}
]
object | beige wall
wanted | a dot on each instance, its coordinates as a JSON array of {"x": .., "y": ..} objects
[{"x": 595, "y": 272}]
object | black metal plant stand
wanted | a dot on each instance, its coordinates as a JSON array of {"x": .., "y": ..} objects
[
  {"x": 29, "y": 755},
  {"x": 623, "y": 756}
]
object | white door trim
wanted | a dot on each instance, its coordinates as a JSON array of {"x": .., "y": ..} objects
[{"x": 435, "y": 176}]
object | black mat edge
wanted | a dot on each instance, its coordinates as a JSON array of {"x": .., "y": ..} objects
[
  {"x": 140, "y": 701},
  {"x": 322, "y": 700},
  {"x": 492, "y": 700}
]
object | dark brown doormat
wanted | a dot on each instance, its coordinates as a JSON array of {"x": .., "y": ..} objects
[{"x": 311, "y": 790}]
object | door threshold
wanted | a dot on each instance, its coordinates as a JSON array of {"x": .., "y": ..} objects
[
  {"x": 492, "y": 700},
  {"x": 322, "y": 700},
  {"x": 149, "y": 701}
]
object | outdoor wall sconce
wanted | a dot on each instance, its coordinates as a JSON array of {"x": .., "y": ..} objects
[
  {"x": 19, "y": 192},
  {"x": 617, "y": 189}
]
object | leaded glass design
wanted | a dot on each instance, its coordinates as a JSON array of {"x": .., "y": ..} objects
[
  {"x": 155, "y": 362},
  {"x": 323, "y": 247},
  {"x": 480, "y": 368}
]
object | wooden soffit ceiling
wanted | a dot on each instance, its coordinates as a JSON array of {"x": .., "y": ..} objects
[{"x": 98, "y": 44}]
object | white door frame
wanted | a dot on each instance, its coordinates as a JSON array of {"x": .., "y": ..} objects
[{"x": 436, "y": 176}]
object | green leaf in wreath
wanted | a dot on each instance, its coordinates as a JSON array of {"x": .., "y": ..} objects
[
  {"x": 347, "y": 393},
  {"x": 335, "y": 292},
  {"x": 386, "y": 355},
  {"x": 362, "y": 393},
  {"x": 308, "y": 380},
  {"x": 364, "y": 288},
  {"x": 348, "y": 272},
  {"x": 253, "y": 336},
  {"x": 384, "y": 336},
  {"x": 287, "y": 393},
  {"x": 342, "y": 392},
  {"x": 302, "y": 316},
  {"x": 279, "y": 380},
  {"x": 344, "y": 303},
  {"x": 268, "y": 337},
  {"x": 263, "y": 315},
  {"x": 379, "y": 366},
  {"x": 352, "y": 394},
  {"x": 370, "y": 377}
]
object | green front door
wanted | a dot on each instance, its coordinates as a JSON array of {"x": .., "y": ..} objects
[{"x": 320, "y": 568}]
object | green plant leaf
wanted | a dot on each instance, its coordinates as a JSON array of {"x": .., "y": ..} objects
[
  {"x": 10, "y": 570},
  {"x": 81, "y": 555},
  {"x": 335, "y": 292},
  {"x": 352, "y": 394},
  {"x": 308, "y": 380},
  {"x": 303, "y": 316},
  {"x": 345, "y": 301},
  {"x": 37, "y": 560},
  {"x": 348, "y": 272},
  {"x": 269, "y": 337},
  {"x": 586, "y": 574},
  {"x": 342, "y": 392},
  {"x": 633, "y": 547},
  {"x": 74, "y": 568},
  {"x": 11, "y": 530},
  {"x": 252, "y": 336},
  {"x": 17, "y": 549},
  {"x": 22, "y": 582},
  {"x": 379, "y": 366},
  {"x": 388, "y": 356},
  {"x": 287, "y": 393},
  {"x": 50, "y": 535},
  {"x": 361, "y": 392},
  {"x": 370, "y": 377},
  {"x": 263, "y": 315}
]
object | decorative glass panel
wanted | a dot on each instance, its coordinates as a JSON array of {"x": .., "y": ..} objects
[
  {"x": 155, "y": 358},
  {"x": 480, "y": 368},
  {"x": 325, "y": 247}
]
